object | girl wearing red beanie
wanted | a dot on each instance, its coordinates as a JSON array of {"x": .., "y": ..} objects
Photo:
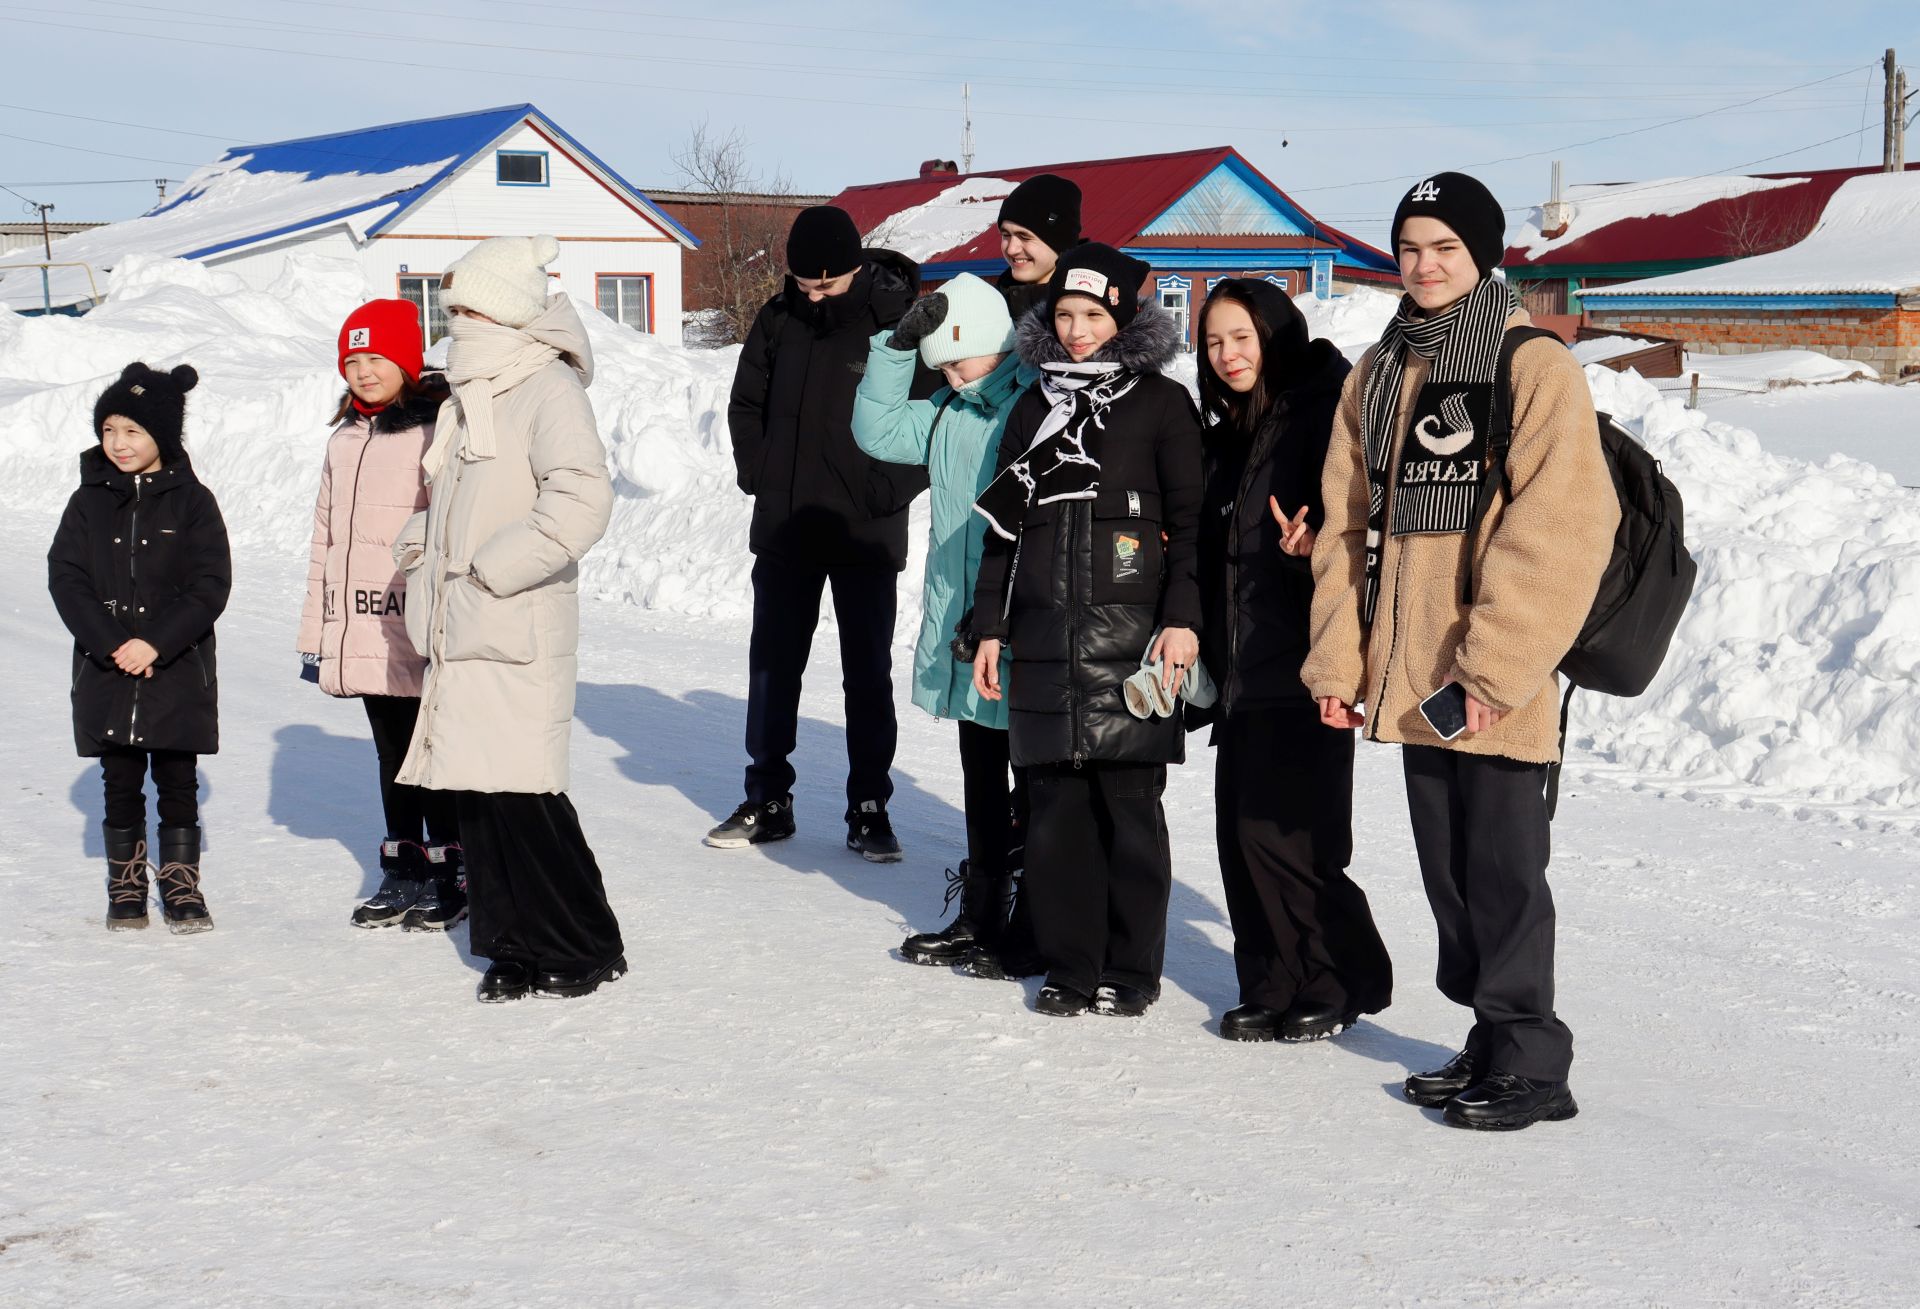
[{"x": 353, "y": 635}]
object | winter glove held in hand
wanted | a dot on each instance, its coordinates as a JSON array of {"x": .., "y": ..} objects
[
  {"x": 309, "y": 667},
  {"x": 922, "y": 316}
]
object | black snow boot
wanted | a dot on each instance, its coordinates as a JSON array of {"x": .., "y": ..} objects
[
  {"x": 403, "y": 876},
  {"x": 1118, "y": 1000},
  {"x": 442, "y": 901},
  {"x": 1014, "y": 955},
  {"x": 754, "y": 824},
  {"x": 870, "y": 833},
  {"x": 181, "y": 903},
  {"x": 1250, "y": 1022},
  {"x": 984, "y": 902},
  {"x": 572, "y": 985},
  {"x": 1316, "y": 1020},
  {"x": 505, "y": 980},
  {"x": 126, "y": 877},
  {"x": 1431, "y": 1090},
  {"x": 1503, "y": 1102},
  {"x": 1061, "y": 1001}
]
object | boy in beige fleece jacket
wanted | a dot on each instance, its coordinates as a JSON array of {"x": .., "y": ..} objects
[{"x": 1392, "y": 627}]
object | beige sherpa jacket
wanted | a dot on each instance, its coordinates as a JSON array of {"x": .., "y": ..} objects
[{"x": 1538, "y": 560}]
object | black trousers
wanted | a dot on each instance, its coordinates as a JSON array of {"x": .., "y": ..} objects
[
  {"x": 1099, "y": 871},
  {"x": 1283, "y": 818},
  {"x": 993, "y": 812},
  {"x": 786, "y": 610},
  {"x": 407, "y": 808},
  {"x": 1480, "y": 827},
  {"x": 123, "y": 774},
  {"x": 533, "y": 889}
]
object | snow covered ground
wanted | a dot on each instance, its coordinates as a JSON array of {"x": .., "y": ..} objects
[{"x": 772, "y": 1110}]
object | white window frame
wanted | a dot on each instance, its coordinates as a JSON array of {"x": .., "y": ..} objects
[
  {"x": 633, "y": 297},
  {"x": 1175, "y": 295},
  {"x": 433, "y": 315}
]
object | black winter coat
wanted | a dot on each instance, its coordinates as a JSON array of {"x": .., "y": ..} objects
[
  {"x": 142, "y": 557},
  {"x": 817, "y": 497},
  {"x": 1257, "y": 601},
  {"x": 1076, "y": 630},
  {"x": 1022, "y": 297}
]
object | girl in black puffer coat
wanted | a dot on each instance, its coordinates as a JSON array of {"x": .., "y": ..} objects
[
  {"x": 1308, "y": 956},
  {"x": 1094, "y": 524},
  {"x": 139, "y": 571}
]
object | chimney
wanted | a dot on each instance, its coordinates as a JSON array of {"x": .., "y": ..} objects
[
  {"x": 939, "y": 168},
  {"x": 1556, "y": 215}
]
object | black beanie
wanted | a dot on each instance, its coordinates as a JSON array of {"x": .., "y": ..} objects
[
  {"x": 1102, "y": 273},
  {"x": 155, "y": 400},
  {"x": 823, "y": 243},
  {"x": 1463, "y": 204},
  {"x": 1049, "y": 207}
]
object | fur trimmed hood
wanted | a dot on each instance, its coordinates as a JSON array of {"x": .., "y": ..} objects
[{"x": 1146, "y": 345}]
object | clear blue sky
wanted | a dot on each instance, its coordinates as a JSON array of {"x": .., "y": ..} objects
[{"x": 837, "y": 91}]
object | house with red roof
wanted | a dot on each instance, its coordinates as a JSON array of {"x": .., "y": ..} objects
[{"x": 1197, "y": 216}]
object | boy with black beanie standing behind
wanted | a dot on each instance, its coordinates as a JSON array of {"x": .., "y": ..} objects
[
  {"x": 824, "y": 514},
  {"x": 1038, "y": 219},
  {"x": 1393, "y": 624}
]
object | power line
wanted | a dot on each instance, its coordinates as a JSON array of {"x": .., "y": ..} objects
[{"x": 111, "y": 154}]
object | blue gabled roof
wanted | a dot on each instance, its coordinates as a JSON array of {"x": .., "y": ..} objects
[{"x": 455, "y": 138}]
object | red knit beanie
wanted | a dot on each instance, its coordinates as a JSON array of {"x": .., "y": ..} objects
[{"x": 388, "y": 328}]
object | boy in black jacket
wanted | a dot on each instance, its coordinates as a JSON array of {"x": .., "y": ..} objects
[
  {"x": 824, "y": 513},
  {"x": 139, "y": 571}
]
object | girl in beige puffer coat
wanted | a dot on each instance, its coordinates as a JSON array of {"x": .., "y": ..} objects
[
  {"x": 353, "y": 637},
  {"x": 519, "y": 492}
]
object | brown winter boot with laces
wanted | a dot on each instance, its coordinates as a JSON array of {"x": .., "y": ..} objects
[
  {"x": 126, "y": 877},
  {"x": 181, "y": 903}
]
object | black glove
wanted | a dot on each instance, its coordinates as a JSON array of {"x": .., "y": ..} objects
[
  {"x": 922, "y": 316},
  {"x": 966, "y": 642}
]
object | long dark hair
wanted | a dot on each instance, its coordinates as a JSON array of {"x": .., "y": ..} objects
[
  {"x": 410, "y": 390},
  {"x": 1240, "y": 412}
]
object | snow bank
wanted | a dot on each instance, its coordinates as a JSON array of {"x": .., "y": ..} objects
[
  {"x": 952, "y": 218},
  {"x": 1352, "y": 321}
]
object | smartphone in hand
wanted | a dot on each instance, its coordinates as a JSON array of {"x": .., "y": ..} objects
[{"x": 1446, "y": 710}]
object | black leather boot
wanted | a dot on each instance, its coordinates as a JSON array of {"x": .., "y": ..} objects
[
  {"x": 1250, "y": 1022},
  {"x": 1316, "y": 1020},
  {"x": 126, "y": 877},
  {"x": 985, "y": 900},
  {"x": 181, "y": 903},
  {"x": 1431, "y": 1090}
]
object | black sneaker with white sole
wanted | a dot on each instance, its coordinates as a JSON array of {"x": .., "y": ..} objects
[
  {"x": 754, "y": 824},
  {"x": 870, "y": 834}
]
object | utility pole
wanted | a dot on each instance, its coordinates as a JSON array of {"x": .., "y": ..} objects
[
  {"x": 46, "y": 240},
  {"x": 1891, "y": 114},
  {"x": 1900, "y": 120},
  {"x": 161, "y": 183},
  {"x": 966, "y": 128}
]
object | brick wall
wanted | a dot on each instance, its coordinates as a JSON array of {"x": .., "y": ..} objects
[{"x": 1889, "y": 339}]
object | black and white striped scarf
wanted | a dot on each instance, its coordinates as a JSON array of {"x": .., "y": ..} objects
[
  {"x": 1060, "y": 462},
  {"x": 1444, "y": 456}
]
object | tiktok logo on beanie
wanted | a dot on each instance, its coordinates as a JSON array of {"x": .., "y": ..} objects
[
  {"x": 1425, "y": 191},
  {"x": 360, "y": 338}
]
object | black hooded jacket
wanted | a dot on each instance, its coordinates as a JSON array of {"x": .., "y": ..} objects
[
  {"x": 1076, "y": 621},
  {"x": 142, "y": 557},
  {"x": 817, "y": 498},
  {"x": 1257, "y": 599},
  {"x": 1022, "y": 297}
]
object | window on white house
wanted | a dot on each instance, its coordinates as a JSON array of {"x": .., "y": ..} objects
[
  {"x": 521, "y": 167},
  {"x": 1176, "y": 301},
  {"x": 626, "y": 298},
  {"x": 424, "y": 292}
]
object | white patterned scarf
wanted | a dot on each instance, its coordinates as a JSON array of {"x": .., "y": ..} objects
[{"x": 1061, "y": 462}]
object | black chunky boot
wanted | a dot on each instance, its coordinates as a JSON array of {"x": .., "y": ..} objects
[
  {"x": 181, "y": 903},
  {"x": 403, "y": 876},
  {"x": 985, "y": 900},
  {"x": 442, "y": 901},
  {"x": 1013, "y": 955},
  {"x": 126, "y": 877}
]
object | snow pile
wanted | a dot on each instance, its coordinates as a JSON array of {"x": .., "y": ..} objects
[
  {"x": 1766, "y": 369},
  {"x": 1603, "y": 348},
  {"x": 953, "y": 218},
  {"x": 219, "y": 204},
  {"x": 1353, "y": 321},
  {"x": 1867, "y": 242},
  {"x": 1796, "y": 670},
  {"x": 1597, "y": 205}
]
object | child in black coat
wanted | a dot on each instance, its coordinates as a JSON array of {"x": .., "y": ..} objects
[{"x": 139, "y": 570}]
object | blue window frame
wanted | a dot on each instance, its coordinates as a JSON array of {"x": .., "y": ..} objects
[{"x": 520, "y": 168}]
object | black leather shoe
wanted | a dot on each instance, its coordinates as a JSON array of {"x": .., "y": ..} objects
[
  {"x": 1062, "y": 1001},
  {"x": 505, "y": 980},
  {"x": 1250, "y": 1022},
  {"x": 1118, "y": 1000},
  {"x": 1504, "y": 1102},
  {"x": 1316, "y": 1021},
  {"x": 1431, "y": 1090},
  {"x": 568, "y": 986}
]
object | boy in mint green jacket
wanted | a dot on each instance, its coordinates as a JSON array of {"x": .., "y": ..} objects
[{"x": 964, "y": 330}]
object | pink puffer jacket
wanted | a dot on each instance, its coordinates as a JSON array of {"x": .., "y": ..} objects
[{"x": 355, "y": 614}]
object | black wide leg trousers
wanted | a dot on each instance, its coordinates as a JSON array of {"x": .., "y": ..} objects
[{"x": 533, "y": 888}]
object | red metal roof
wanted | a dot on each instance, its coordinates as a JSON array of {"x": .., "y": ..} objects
[
  {"x": 1119, "y": 197},
  {"x": 1709, "y": 232}
]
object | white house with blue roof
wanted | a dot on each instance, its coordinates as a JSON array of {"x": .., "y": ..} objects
[{"x": 403, "y": 201}]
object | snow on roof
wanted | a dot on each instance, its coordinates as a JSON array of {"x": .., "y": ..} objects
[
  {"x": 951, "y": 218},
  {"x": 1867, "y": 242},
  {"x": 1594, "y": 206}
]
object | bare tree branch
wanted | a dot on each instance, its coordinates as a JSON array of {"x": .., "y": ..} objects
[{"x": 744, "y": 267}]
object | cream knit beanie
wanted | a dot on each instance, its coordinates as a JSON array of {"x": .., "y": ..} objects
[
  {"x": 976, "y": 323},
  {"x": 504, "y": 278}
]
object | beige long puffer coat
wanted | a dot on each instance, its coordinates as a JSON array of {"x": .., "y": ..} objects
[{"x": 493, "y": 568}]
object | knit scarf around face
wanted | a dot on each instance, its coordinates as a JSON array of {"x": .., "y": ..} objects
[
  {"x": 1444, "y": 457},
  {"x": 1062, "y": 461},
  {"x": 485, "y": 360}
]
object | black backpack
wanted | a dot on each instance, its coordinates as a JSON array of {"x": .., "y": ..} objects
[{"x": 1648, "y": 579}]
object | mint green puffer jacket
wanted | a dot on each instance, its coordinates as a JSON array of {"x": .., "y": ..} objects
[{"x": 959, "y": 454}]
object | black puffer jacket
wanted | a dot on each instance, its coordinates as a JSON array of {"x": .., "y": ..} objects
[
  {"x": 817, "y": 498},
  {"x": 1075, "y": 630},
  {"x": 1022, "y": 297},
  {"x": 1257, "y": 600},
  {"x": 141, "y": 557}
]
